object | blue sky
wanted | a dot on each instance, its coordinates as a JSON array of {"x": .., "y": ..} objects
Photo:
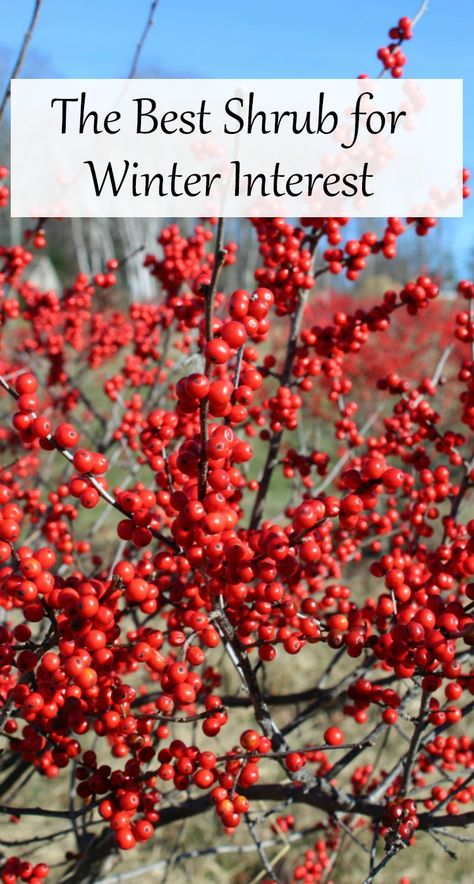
[{"x": 245, "y": 38}]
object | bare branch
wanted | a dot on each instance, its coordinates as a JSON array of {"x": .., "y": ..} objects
[
  {"x": 148, "y": 26},
  {"x": 421, "y": 11},
  {"x": 219, "y": 258},
  {"x": 21, "y": 57},
  {"x": 415, "y": 742}
]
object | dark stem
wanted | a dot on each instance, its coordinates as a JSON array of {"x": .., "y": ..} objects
[
  {"x": 21, "y": 56},
  {"x": 219, "y": 258},
  {"x": 415, "y": 743},
  {"x": 148, "y": 26},
  {"x": 275, "y": 441}
]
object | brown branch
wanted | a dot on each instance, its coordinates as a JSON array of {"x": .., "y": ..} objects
[
  {"x": 44, "y": 812},
  {"x": 21, "y": 57},
  {"x": 463, "y": 488},
  {"x": 448, "y": 820},
  {"x": 148, "y": 26},
  {"x": 278, "y": 792},
  {"x": 415, "y": 742},
  {"x": 219, "y": 258},
  {"x": 383, "y": 862},
  {"x": 320, "y": 747},
  {"x": 275, "y": 441},
  {"x": 20, "y": 766},
  {"x": 174, "y": 719}
]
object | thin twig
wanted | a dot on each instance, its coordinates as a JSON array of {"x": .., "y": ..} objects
[
  {"x": 373, "y": 848},
  {"x": 383, "y": 862},
  {"x": 421, "y": 11},
  {"x": 148, "y": 26},
  {"x": 451, "y": 853},
  {"x": 220, "y": 849},
  {"x": 267, "y": 865},
  {"x": 219, "y": 258},
  {"x": 415, "y": 743},
  {"x": 20, "y": 58}
]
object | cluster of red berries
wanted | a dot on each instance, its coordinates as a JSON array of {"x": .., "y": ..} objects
[
  {"x": 4, "y": 191},
  {"x": 317, "y": 860},
  {"x": 14, "y": 869},
  {"x": 130, "y": 811},
  {"x": 391, "y": 56},
  {"x": 287, "y": 262},
  {"x": 185, "y": 261},
  {"x": 401, "y": 819}
]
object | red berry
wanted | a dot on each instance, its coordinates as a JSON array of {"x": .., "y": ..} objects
[
  {"x": 66, "y": 436},
  {"x": 333, "y": 736}
]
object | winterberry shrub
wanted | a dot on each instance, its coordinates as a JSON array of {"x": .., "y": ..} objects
[{"x": 172, "y": 534}]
